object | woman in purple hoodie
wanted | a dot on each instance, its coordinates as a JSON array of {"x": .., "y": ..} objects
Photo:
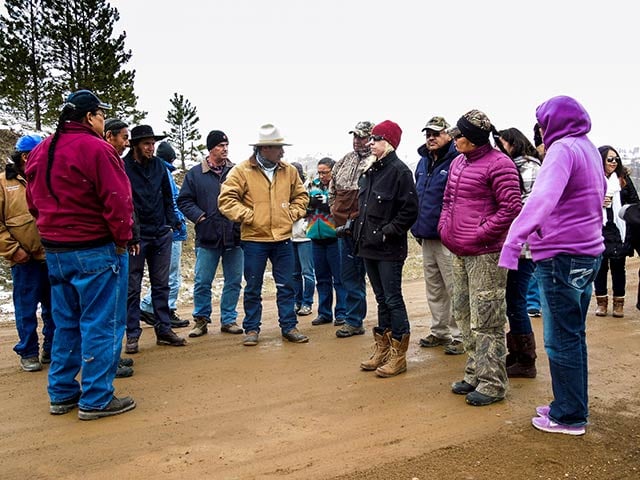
[{"x": 562, "y": 223}]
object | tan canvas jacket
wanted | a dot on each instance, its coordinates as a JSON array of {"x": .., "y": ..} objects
[
  {"x": 17, "y": 225},
  {"x": 266, "y": 210}
]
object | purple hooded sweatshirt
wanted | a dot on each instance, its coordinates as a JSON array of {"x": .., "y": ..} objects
[{"x": 564, "y": 211}]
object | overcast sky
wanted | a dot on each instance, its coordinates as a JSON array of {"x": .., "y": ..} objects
[{"x": 314, "y": 69}]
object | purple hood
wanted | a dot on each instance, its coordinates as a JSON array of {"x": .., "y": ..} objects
[{"x": 564, "y": 211}]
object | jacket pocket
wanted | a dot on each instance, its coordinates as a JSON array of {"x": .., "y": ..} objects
[{"x": 380, "y": 205}]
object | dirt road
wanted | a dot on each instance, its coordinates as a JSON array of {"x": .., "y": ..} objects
[{"x": 218, "y": 410}]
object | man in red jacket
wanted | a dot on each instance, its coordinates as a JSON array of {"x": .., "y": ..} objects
[{"x": 79, "y": 193}]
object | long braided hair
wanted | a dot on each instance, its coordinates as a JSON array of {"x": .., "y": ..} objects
[{"x": 69, "y": 113}]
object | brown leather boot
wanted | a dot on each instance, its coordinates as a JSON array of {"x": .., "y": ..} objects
[
  {"x": 603, "y": 304},
  {"x": 380, "y": 351},
  {"x": 397, "y": 359},
  {"x": 618, "y": 307},
  {"x": 525, "y": 352}
]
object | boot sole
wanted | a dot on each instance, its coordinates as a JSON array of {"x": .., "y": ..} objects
[
  {"x": 94, "y": 415},
  {"x": 387, "y": 375}
]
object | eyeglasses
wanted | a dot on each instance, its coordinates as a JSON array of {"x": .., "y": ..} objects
[
  {"x": 99, "y": 112},
  {"x": 375, "y": 138},
  {"x": 613, "y": 160},
  {"x": 458, "y": 136},
  {"x": 321, "y": 174},
  {"x": 432, "y": 134}
]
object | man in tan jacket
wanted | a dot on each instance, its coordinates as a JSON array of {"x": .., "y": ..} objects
[
  {"x": 265, "y": 195},
  {"x": 21, "y": 246}
]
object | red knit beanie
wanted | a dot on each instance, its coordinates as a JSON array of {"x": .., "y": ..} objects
[{"x": 390, "y": 131}]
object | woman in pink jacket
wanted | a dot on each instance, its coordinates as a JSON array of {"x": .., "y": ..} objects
[{"x": 481, "y": 200}]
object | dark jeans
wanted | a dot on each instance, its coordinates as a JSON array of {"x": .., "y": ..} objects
[
  {"x": 386, "y": 281},
  {"x": 30, "y": 288},
  {"x": 618, "y": 277},
  {"x": 326, "y": 258},
  {"x": 565, "y": 287},
  {"x": 157, "y": 253},
  {"x": 516, "y": 292},
  {"x": 353, "y": 281},
  {"x": 256, "y": 255}
]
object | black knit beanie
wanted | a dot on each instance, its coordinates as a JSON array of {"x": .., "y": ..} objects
[
  {"x": 215, "y": 137},
  {"x": 476, "y": 135}
]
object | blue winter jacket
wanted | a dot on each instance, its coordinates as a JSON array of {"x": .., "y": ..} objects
[
  {"x": 431, "y": 180},
  {"x": 181, "y": 234}
]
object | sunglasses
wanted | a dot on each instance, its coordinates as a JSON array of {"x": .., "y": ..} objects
[
  {"x": 613, "y": 160},
  {"x": 432, "y": 134},
  {"x": 375, "y": 138},
  {"x": 458, "y": 136}
]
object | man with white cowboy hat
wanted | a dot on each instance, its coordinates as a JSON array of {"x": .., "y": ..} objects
[
  {"x": 155, "y": 217},
  {"x": 265, "y": 195}
]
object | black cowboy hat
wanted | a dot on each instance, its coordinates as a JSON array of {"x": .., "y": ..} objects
[{"x": 144, "y": 131}]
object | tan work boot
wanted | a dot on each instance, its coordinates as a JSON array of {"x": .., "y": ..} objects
[
  {"x": 380, "y": 351},
  {"x": 603, "y": 304},
  {"x": 397, "y": 358},
  {"x": 200, "y": 328},
  {"x": 618, "y": 307}
]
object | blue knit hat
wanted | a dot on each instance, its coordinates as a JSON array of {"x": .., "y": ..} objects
[{"x": 27, "y": 143}]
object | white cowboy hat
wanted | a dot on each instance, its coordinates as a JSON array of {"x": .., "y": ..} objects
[{"x": 269, "y": 135}]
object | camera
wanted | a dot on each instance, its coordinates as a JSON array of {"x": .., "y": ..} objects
[{"x": 345, "y": 230}]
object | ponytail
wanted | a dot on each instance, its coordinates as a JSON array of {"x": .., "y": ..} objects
[{"x": 69, "y": 112}]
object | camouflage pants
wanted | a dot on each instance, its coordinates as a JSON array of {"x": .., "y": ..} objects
[{"x": 480, "y": 310}]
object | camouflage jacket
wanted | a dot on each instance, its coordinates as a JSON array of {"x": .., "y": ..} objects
[{"x": 343, "y": 189}]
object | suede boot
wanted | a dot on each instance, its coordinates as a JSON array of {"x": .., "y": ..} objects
[
  {"x": 618, "y": 307},
  {"x": 397, "y": 359},
  {"x": 525, "y": 351},
  {"x": 603, "y": 304},
  {"x": 380, "y": 350}
]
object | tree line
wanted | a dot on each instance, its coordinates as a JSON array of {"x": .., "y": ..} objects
[{"x": 49, "y": 48}]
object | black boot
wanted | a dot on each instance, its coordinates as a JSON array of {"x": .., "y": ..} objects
[
  {"x": 525, "y": 351},
  {"x": 512, "y": 355}
]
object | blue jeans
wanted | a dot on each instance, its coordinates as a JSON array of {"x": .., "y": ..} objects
[
  {"x": 353, "y": 281},
  {"x": 207, "y": 260},
  {"x": 157, "y": 253},
  {"x": 386, "y": 281},
  {"x": 304, "y": 281},
  {"x": 533, "y": 294},
  {"x": 256, "y": 255},
  {"x": 30, "y": 288},
  {"x": 88, "y": 303},
  {"x": 174, "y": 280},
  {"x": 516, "y": 297},
  {"x": 326, "y": 259},
  {"x": 565, "y": 287}
]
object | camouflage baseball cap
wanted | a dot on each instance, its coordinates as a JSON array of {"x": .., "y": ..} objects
[
  {"x": 437, "y": 124},
  {"x": 479, "y": 119},
  {"x": 363, "y": 129},
  {"x": 474, "y": 117}
]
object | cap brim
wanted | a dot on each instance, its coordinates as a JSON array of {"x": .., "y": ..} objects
[
  {"x": 104, "y": 106},
  {"x": 360, "y": 133},
  {"x": 270, "y": 144},
  {"x": 432, "y": 127}
]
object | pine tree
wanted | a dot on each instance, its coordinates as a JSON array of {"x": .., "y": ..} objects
[
  {"x": 183, "y": 118},
  {"x": 23, "y": 67},
  {"x": 86, "y": 54}
]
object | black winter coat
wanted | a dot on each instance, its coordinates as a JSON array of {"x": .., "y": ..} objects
[
  {"x": 199, "y": 195},
  {"x": 154, "y": 215},
  {"x": 388, "y": 206}
]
